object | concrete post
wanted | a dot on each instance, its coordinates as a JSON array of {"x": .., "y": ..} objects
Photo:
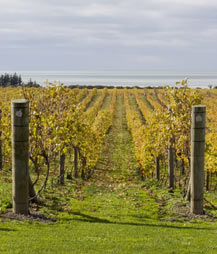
[
  {"x": 197, "y": 158},
  {"x": 20, "y": 155}
]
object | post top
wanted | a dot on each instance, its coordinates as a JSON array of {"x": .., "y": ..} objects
[
  {"x": 199, "y": 108},
  {"x": 20, "y": 103}
]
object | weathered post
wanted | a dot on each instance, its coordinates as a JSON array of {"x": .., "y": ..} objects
[
  {"x": 157, "y": 168},
  {"x": 207, "y": 180},
  {"x": 197, "y": 158},
  {"x": 171, "y": 167},
  {"x": 75, "y": 162},
  {"x": 20, "y": 155},
  {"x": 62, "y": 168}
]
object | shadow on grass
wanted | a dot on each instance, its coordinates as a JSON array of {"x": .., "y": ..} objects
[
  {"x": 7, "y": 229},
  {"x": 93, "y": 219}
]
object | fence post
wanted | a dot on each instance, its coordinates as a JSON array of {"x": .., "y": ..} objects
[
  {"x": 62, "y": 167},
  {"x": 157, "y": 168},
  {"x": 20, "y": 155},
  {"x": 171, "y": 167},
  {"x": 197, "y": 158},
  {"x": 75, "y": 162}
]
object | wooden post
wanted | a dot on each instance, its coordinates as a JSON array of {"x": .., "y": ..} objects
[
  {"x": 32, "y": 194},
  {"x": 207, "y": 180},
  {"x": 182, "y": 167},
  {"x": 157, "y": 168},
  {"x": 20, "y": 155},
  {"x": 197, "y": 158},
  {"x": 1, "y": 166},
  {"x": 171, "y": 167},
  {"x": 188, "y": 193},
  {"x": 62, "y": 168},
  {"x": 75, "y": 162}
]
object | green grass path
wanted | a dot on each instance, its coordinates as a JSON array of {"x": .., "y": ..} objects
[
  {"x": 117, "y": 163},
  {"x": 110, "y": 213}
]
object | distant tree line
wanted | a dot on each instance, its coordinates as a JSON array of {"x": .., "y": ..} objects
[
  {"x": 15, "y": 80},
  {"x": 31, "y": 83},
  {"x": 128, "y": 87},
  {"x": 10, "y": 80},
  {"x": 111, "y": 87}
]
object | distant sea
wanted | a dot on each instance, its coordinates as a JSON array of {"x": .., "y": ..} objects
[{"x": 119, "y": 78}]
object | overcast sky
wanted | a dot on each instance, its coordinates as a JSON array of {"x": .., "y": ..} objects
[{"x": 173, "y": 35}]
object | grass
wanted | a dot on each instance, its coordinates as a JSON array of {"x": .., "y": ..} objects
[
  {"x": 107, "y": 101},
  {"x": 103, "y": 237},
  {"x": 93, "y": 100},
  {"x": 113, "y": 212}
]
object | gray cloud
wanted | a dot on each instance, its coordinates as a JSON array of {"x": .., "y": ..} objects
[{"x": 101, "y": 34}]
